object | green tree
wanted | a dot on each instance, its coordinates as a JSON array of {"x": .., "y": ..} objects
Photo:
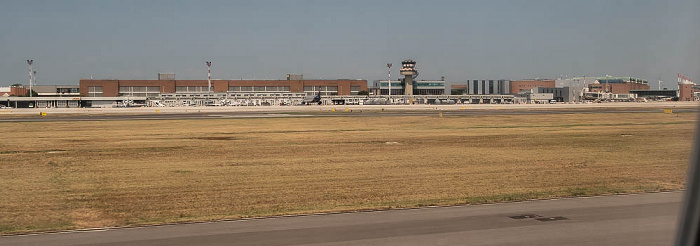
[{"x": 363, "y": 93}]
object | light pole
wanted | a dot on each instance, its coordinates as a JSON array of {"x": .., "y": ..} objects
[
  {"x": 582, "y": 86},
  {"x": 31, "y": 76},
  {"x": 209, "y": 77},
  {"x": 388, "y": 65}
]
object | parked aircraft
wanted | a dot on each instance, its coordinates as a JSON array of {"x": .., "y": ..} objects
[{"x": 316, "y": 99}]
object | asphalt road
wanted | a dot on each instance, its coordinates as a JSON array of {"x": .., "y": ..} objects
[
  {"x": 324, "y": 113},
  {"x": 643, "y": 219}
]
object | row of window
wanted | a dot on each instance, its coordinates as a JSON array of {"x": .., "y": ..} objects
[
  {"x": 258, "y": 88},
  {"x": 323, "y": 93},
  {"x": 67, "y": 90},
  {"x": 557, "y": 92},
  {"x": 320, "y": 88},
  {"x": 393, "y": 84},
  {"x": 193, "y": 89},
  {"x": 430, "y": 84},
  {"x": 263, "y": 94},
  {"x": 152, "y": 91},
  {"x": 139, "y": 91},
  {"x": 94, "y": 91},
  {"x": 133, "y": 91}
]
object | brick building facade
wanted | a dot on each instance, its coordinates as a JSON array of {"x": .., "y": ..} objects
[
  {"x": 14, "y": 91},
  {"x": 686, "y": 92},
  {"x": 115, "y": 88},
  {"x": 516, "y": 86},
  {"x": 622, "y": 85}
]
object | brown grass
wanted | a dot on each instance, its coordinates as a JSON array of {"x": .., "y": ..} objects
[{"x": 65, "y": 175}]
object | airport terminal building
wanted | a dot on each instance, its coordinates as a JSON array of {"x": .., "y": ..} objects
[
  {"x": 482, "y": 87},
  {"x": 295, "y": 90},
  {"x": 618, "y": 85},
  {"x": 153, "y": 88},
  {"x": 421, "y": 87}
]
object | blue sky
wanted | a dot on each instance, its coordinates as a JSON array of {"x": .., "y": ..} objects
[{"x": 70, "y": 40}]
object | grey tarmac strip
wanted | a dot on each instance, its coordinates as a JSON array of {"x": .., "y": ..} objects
[
  {"x": 638, "y": 219},
  {"x": 354, "y": 113}
]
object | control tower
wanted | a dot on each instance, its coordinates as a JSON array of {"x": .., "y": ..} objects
[{"x": 409, "y": 71}]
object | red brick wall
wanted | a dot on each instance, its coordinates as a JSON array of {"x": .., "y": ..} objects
[
  {"x": 686, "y": 91},
  {"x": 110, "y": 88},
  {"x": 517, "y": 85},
  {"x": 166, "y": 86},
  {"x": 617, "y": 88},
  {"x": 18, "y": 91}
]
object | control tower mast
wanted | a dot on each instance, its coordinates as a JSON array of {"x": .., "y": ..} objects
[{"x": 409, "y": 71}]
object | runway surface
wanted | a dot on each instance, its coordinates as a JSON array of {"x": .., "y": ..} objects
[
  {"x": 642, "y": 219},
  {"x": 262, "y": 112}
]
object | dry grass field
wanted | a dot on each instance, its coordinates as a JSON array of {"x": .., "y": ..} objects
[{"x": 66, "y": 175}]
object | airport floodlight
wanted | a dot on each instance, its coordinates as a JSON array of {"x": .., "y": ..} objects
[
  {"x": 388, "y": 65},
  {"x": 209, "y": 77},
  {"x": 31, "y": 76}
]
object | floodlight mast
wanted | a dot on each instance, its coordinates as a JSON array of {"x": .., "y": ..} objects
[
  {"x": 584, "y": 84},
  {"x": 388, "y": 65},
  {"x": 209, "y": 77},
  {"x": 31, "y": 76}
]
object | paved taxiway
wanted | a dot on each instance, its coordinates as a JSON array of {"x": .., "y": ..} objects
[{"x": 641, "y": 219}]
